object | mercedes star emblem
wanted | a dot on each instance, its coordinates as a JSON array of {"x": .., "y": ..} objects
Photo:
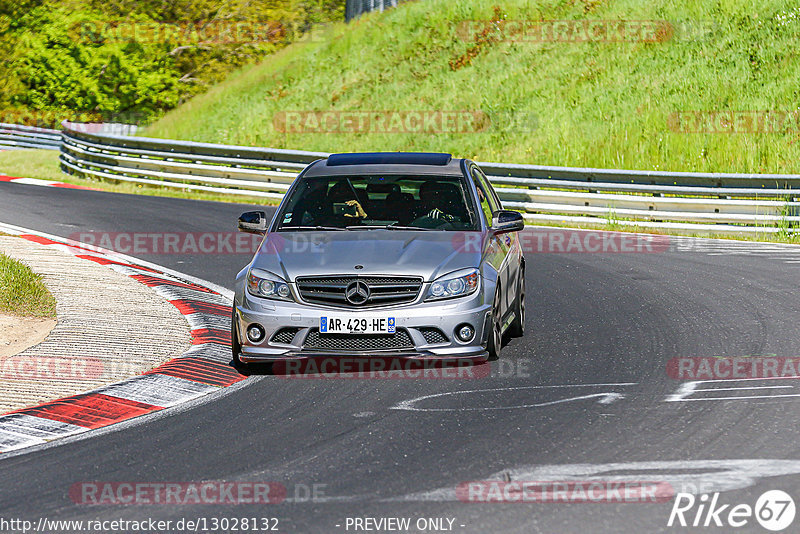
[{"x": 357, "y": 293}]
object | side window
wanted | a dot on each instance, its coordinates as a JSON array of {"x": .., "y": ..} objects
[
  {"x": 484, "y": 196},
  {"x": 494, "y": 200}
]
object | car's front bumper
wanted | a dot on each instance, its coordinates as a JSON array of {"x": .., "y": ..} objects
[{"x": 446, "y": 316}]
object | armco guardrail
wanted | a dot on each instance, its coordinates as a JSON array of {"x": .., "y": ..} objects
[
  {"x": 222, "y": 169},
  {"x": 720, "y": 203},
  {"x": 15, "y": 136}
]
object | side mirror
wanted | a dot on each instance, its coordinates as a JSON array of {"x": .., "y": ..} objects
[
  {"x": 504, "y": 221},
  {"x": 253, "y": 222}
]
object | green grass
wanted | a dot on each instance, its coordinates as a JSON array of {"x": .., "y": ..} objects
[
  {"x": 22, "y": 291},
  {"x": 43, "y": 164},
  {"x": 596, "y": 104}
]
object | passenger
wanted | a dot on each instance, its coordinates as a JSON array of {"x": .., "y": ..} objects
[{"x": 343, "y": 192}]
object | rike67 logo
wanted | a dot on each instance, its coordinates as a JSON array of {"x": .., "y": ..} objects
[{"x": 774, "y": 510}]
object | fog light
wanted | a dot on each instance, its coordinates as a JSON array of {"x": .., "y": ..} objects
[
  {"x": 465, "y": 332},
  {"x": 255, "y": 333}
]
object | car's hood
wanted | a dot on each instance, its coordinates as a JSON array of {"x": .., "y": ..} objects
[{"x": 395, "y": 252}]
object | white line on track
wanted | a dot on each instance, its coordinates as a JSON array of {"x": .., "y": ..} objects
[{"x": 605, "y": 398}]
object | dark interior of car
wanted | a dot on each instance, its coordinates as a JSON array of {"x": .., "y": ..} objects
[{"x": 433, "y": 203}]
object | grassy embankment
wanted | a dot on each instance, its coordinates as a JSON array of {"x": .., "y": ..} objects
[
  {"x": 22, "y": 291},
  {"x": 594, "y": 104}
]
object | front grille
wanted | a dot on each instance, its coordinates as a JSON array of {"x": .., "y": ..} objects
[
  {"x": 383, "y": 290},
  {"x": 398, "y": 341},
  {"x": 432, "y": 335},
  {"x": 284, "y": 335}
]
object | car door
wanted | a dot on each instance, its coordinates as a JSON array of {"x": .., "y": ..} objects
[{"x": 499, "y": 245}]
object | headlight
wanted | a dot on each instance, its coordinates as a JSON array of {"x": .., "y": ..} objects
[
  {"x": 268, "y": 285},
  {"x": 453, "y": 285}
]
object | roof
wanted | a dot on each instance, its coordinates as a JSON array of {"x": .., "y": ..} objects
[
  {"x": 427, "y": 163},
  {"x": 389, "y": 158}
]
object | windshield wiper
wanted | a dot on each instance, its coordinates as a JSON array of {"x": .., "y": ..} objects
[
  {"x": 387, "y": 227},
  {"x": 396, "y": 227},
  {"x": 301, "y": 228}
]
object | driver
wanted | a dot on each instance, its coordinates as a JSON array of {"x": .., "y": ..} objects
[
  {"x": 312, "y": 208},
  {"x": 438, "y": 201}
]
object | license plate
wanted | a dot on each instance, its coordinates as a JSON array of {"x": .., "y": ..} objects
[{"x": 356, "y": 325}]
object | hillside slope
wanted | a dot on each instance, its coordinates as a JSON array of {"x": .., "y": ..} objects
[{"x": 606, "y": 103}]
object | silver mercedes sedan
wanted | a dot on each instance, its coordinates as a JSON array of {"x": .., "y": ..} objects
[{"x": 406, "y": 255}]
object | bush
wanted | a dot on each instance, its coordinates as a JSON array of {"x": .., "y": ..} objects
[{"x": 97, "y": 60}]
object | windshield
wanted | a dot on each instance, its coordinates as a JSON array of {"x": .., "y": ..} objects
[{"x": 367, "y": 202}]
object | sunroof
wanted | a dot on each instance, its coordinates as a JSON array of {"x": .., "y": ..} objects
[{"x": 389, "y": 158}]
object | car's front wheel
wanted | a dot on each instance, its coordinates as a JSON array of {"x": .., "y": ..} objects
[
  {"x": 495, "y": 328},
  {"x": 517, "y": 326},
  {"x": 236, "y": 346}
]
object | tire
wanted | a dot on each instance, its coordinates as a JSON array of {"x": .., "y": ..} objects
[
  {"x": 495, "y": 341},
  {"x": 517, "y": 326},
  {"x": 236, "y": 346}
]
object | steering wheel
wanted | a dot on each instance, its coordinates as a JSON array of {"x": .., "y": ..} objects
[{"x": 430, "y": 222}]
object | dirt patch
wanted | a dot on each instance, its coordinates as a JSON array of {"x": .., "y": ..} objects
[{"x": 20, "y": 333}]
